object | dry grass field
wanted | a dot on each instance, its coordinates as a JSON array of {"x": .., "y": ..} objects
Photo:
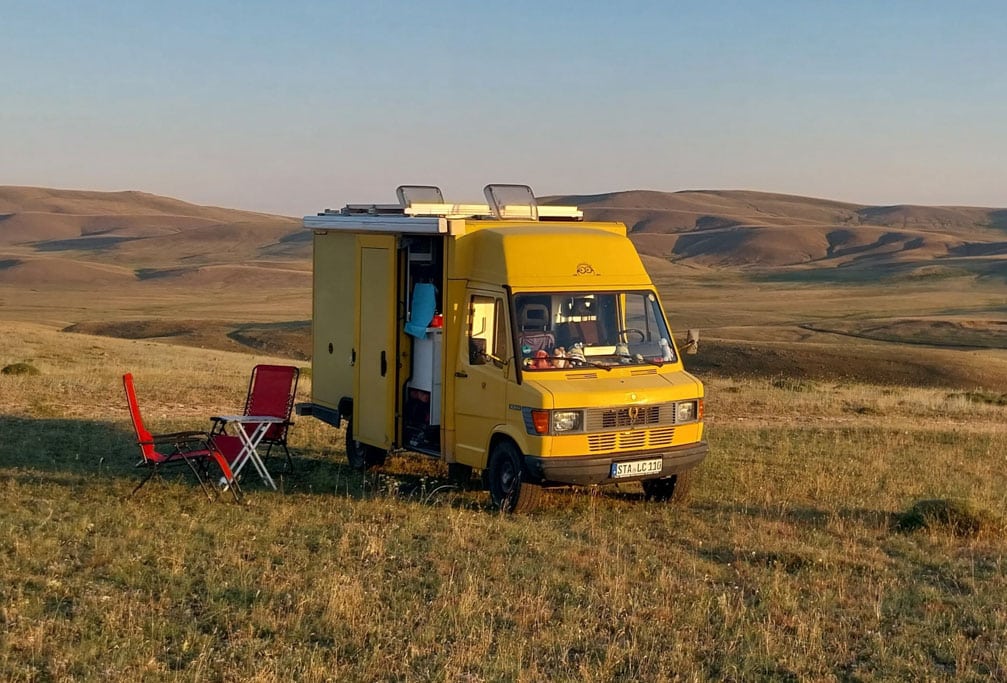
[
  {"x": 800, "y": 556},
  {"x": 849, "y": 523}
]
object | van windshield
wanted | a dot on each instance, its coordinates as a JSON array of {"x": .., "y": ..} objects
[{"x": 557, "y": 331}]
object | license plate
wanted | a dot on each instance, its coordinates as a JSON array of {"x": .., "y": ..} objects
[{"x": 636, "y": 468}]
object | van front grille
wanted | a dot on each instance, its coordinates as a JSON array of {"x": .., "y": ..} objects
[
  {"x": 635, "y": 440},
  {"x": 628, "y": 417}
]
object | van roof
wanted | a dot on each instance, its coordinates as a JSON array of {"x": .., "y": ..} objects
[{"x": 552, "y": 255}]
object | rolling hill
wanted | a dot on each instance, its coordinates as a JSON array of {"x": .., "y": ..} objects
[
  {"x": 763, "y": 230},
  {"x": 766, "y": 276},
  {"x": 721, "y": 229},
  {"x": 74, "y": 238}
]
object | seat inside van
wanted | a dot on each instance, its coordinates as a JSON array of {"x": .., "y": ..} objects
[{"x": 535, "y": 327}]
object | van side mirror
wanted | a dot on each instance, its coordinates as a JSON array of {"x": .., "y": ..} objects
[
  {"x": 692, "y": 342},
  {"x": 478, "y": 355},
  {"x": 477, "y": 351}
]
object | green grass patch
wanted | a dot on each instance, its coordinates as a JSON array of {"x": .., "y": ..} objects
[
  {"x": 19, "y": 369},
  {"x": 956, "y": 517}
]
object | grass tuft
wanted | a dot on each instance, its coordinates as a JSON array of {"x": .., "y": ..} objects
[
  {"x": 860, "y": 409},
  {"x": 19, "y": 369},
  {"x": 987, "y": 397},
  {"x": 957, "y": 517},
  {"x": 794, "y": 384}
]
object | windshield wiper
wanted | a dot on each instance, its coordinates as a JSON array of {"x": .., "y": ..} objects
[{"x": 593, "y": 364}]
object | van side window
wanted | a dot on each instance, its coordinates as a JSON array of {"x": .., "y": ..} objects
[{"x": 485, "y": 332}]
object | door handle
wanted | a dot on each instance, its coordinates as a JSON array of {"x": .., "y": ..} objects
[
  {"x": 461, "y": 373},
  {"x": 384, "y": 364}
]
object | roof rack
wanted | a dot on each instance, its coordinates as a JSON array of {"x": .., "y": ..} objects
[{"x": 504, "y": 202}]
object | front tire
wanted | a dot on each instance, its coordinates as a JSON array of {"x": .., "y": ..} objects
[
  {"x": 362, "y": 456},
  {"x": 674, "y": 489},
  {"x": 506, "y": 477}
]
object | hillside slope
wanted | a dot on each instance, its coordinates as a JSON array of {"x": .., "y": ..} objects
[
  {"x": 74, "y": 237},
  {"x": 762, "y": 274},
  {"x": 756, "y": 229}
]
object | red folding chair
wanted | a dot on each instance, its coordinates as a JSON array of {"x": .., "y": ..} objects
[
  {"x": 271, "y": 392},
  {"x": 194, "y": 449}
]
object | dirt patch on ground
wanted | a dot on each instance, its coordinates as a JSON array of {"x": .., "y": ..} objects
[
  {"x": 955, "y": 333},
  {"x": 894, "y": 364},
  {"x": 283, "y": 339}
]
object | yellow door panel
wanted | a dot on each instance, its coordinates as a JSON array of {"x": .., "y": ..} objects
[{"x": 374, "y": 396}]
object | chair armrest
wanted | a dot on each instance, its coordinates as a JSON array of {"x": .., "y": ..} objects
[
  {"x": 217, "y": 426},
  {"x": 180, "y": 435},
  {"x": 183, "y": 440}
]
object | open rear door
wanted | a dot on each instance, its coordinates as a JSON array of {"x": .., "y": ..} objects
[{"x": 375, "y": 340}]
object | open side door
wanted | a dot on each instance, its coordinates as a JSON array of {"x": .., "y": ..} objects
[{"x": 375, "y": 342}]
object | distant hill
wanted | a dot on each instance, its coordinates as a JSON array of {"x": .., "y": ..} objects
[
  {"x": 147, "y": 267},
  {"x": 73, "y": 236},
  {"x": 717, "y": 229},
  {"x": 739, "y": 228}
]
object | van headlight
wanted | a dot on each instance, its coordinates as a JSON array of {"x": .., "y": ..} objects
[
  {"x": 564, "y": 421},
  {"x": 686, "y": 411}
]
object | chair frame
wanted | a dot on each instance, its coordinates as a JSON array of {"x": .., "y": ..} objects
[
  {"x": 276, "y": 435},
  {"x": 192, "y": 448}
]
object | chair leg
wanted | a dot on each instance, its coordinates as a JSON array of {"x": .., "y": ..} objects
[
  {"x": 229, "y": 478},
  {"x": 202, "y": 484},
  {"x": 236, "y": 491},
  {"x": 204, "y": 466},
  {"x": 290, "y": 461},
  {"x": 143, "y": 481}
]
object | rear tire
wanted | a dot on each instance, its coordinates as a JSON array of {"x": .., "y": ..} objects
[
  {"x": 674, "y": 489},
  {"x": 506, "y": 478},
  {"x": 362, "y": 456}
]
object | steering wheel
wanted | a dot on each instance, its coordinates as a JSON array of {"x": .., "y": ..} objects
[{"x": 624, "y": 334}]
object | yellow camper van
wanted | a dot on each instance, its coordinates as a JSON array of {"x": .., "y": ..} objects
[{"x": 506, "y": 337}]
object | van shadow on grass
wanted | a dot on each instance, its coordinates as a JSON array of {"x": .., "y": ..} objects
[
  {"x": 76, "y": 453},
  {"x": 790, "y": 557}
]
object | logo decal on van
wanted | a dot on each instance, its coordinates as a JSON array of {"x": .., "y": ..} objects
[{"x": 585, "y": 269}]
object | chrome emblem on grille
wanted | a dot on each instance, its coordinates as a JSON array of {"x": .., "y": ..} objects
[{"x": 634, "y": 413}]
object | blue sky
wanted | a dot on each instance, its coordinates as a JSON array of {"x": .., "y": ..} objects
[{"x": 296, "y": 106}]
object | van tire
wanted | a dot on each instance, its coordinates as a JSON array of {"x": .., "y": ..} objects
[
  {"x": 362, "y": 456},
  {"x": 506, "y": 479},
  {"x": 674, "y": 489}
]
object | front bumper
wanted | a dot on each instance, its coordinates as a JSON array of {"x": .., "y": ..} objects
[{"x": 583, "y": 470}]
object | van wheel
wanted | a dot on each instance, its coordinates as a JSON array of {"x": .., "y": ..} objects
[
  {"x": 508, "y": 489},
  {"x": 674, "y": 488},
  {"x": 362, "y": 456}
]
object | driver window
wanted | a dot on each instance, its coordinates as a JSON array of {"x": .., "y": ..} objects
[{"x": 485, "y": 330}]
